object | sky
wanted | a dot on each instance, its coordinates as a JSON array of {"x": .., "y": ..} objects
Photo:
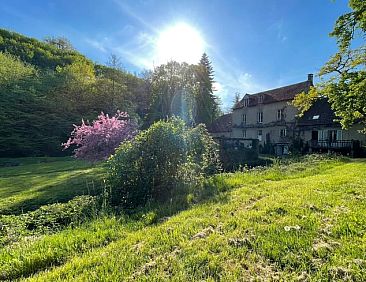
[{"x": 254, "y": 45}]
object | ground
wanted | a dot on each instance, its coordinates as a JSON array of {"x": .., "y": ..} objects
[
  {"x": 27, "y": 183},
  {"x": 304, "y": 221}
]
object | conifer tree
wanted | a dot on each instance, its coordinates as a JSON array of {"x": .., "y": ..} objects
[{"x": 206, "y": 102}]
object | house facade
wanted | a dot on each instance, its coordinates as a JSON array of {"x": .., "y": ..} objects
[
  {"x": 270, "y": 118},
  {"x": 320, "y": 132}
]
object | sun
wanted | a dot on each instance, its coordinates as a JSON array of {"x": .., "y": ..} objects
[{"x": 180, "y": 42}]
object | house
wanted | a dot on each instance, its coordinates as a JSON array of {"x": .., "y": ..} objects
[
  {"x": 270, "y": 118},
  {"x": 319, "y": 130},
  {"x": 221, "y": 127}
]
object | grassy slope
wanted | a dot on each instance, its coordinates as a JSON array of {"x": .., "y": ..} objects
[
  {"x": 296, "y": 222},
  {"x": 39, "y": 181}
]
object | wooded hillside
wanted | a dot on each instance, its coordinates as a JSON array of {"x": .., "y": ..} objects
[{"x": 46, "y": 87}]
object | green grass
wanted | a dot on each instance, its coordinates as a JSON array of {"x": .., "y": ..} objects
[
  {"x": 303, "y": 221},
  {"x": 39, "y": 181}
]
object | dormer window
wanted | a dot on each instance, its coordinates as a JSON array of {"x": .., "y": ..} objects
[
  {"x": 260, "y": 99},
  {"x": 246, "y": 102}
]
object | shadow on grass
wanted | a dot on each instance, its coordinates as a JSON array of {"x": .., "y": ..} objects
[
  {"x": 59, "y": 191},
  {"x": 212, "y": 190}
]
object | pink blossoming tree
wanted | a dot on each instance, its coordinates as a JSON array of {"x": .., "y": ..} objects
[{"x": 98, "y": 141}]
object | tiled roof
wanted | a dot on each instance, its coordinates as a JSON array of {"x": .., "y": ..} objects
[
  {"x": 285, "y": 93},
  {"x": 221, "y": 124},
  {"x": 320, "y": 113}
]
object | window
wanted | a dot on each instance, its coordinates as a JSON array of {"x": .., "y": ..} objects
[
  {"x": 244, "y": 118},
  {"x": 339, "y": 135},
  {"x": 260, "y": 99},
  {"x": 259, "y": 135},
  {"x": 283, "y": 132},
  {"x": 322, "y": 135},
  {"x": 246, "y": 102},
  {"x": 280, "y": 114},
  {"x": 244, "y": 133},
  {"x": 260, "y": 117}
]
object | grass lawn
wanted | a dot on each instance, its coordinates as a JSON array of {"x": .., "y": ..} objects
[
  {"x": 299, "y": 222},
  {"x": 38, "y": 181}
]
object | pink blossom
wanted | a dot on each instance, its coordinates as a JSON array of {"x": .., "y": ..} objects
[{"x": 97, "y": 141}]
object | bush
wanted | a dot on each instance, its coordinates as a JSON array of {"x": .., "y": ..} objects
[
  {"x": 99, "y": 140},
  {"x": 166, "y": 157}
]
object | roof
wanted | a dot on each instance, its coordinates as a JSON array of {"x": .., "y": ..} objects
[
  {"x": 320, "y": 113},
  {"x": 285, "y": 93},
  {"x": 221, "y": 124}
]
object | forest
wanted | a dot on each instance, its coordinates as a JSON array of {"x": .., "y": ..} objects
[{"x": 47, "y": 86}]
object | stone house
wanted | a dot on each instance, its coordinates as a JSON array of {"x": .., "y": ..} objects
[
  {"x": 319, "y": 131},
  {"x": 270, "y": 118}
]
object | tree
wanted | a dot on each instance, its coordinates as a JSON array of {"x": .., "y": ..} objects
[
  {"x": 236, "y": 99},
  {"x": 160, "y": 162},
  {"x": 97, "y": 141},
  {"x": 174, "y": 87},
  {"x": 207, "y": 102},
  {"x": 344, "y": 75},
  {"x": 45, "y": 90},
  {"x": 61, "y": 43}
]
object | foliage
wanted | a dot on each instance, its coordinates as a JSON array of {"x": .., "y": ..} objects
[
  {"x": 234, "y": 158},
  {"x": 183, "y": 90},
  {"x": 344, "y": 75},
  {"x": 28, "y": 126},
  {"x": 236, "y": 99},
  {"x": 304, "y": 101},
  {"x": 41, "y": 54},
  {"x": 48, "y": 218},
  {"x": 160, "y": 161},
  {"x": 61, "y": 43},
  {"x": 249, "y": 231},
  {"x": 12, "y": 69},
  {"x": 98, "y": 141},
  {"x": 45, "y": 89},
  {"x": 207, "y": 103},
  {"x": 173, "y": 87}
]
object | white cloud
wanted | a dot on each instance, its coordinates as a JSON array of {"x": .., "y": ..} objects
[
  {"x": 96, "y": 44},
  {"x": 233, "y": 79},
  {"x": 278, "y": 28}
]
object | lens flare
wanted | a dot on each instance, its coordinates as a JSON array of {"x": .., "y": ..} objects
[{"x": 180, "y": 42}]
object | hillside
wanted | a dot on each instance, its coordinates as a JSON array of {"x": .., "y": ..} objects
[
  {"x": 299, "y": 221},
  {"x": 37, "y": 53},
  {"x": 45, "y": 89}
]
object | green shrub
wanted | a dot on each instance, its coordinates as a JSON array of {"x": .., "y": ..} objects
[
  {"x": 47, "y": 219},
  {"x": 160, "y": 162}
]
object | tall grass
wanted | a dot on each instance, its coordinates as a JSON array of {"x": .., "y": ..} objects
[{"x": 293, "y": 221}]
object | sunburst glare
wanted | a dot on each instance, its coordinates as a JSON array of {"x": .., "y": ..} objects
[{"x": 180, "y": 42}]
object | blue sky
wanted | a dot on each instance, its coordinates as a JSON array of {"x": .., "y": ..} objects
[{"x": 254, "y": 45}]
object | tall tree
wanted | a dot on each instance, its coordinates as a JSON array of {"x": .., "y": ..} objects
[
  {"x": 206, "y": 101},
  {"x": 236, "y": 99},
  {"x": 344, "y": 75},
  {"x": 174, "y": 87}
]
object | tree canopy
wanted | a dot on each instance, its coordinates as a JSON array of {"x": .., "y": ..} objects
[
  {"x": 184, "y": 90},
  {"x": 344, "y": 75},
  {"x": 46, "y": 87}
]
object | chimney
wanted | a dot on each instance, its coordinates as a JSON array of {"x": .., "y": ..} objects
[{"x": 310, "y": 77}]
